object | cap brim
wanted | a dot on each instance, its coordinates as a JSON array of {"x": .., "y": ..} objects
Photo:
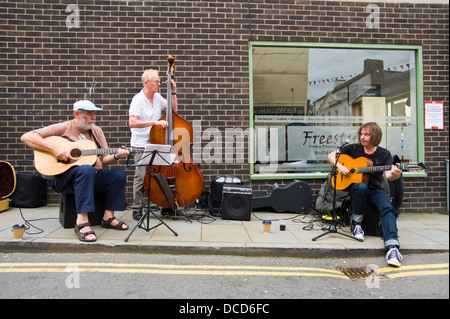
[{"x": 90, "y": 108}]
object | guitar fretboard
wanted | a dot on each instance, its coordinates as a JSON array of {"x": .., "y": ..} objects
[
  {"x": 99, "y": 151},
  {"x": 382, "y": 168}
]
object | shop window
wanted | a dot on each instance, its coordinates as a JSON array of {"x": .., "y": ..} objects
[{"x": 306, "y": 99}]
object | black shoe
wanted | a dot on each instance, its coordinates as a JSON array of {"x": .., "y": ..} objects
[
  {"x": 137, "y": 215},
  {"x": 167, "y": 212}
]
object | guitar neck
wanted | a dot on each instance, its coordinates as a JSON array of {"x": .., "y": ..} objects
[
  {"x": 101, "y": 151},
  {"x": 375, "y": 169}
]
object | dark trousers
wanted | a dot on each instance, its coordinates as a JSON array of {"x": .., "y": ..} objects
[
  {"x": 377, "y": 198},
  {"x": 83, "y": 181}
]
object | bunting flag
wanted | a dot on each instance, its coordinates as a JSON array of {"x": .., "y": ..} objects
[{"x": 400, "y": 67}]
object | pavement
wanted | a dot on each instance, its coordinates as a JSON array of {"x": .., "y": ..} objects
[{"x": 205, "y": 234}]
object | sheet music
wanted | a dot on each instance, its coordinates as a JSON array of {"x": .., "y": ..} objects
[{"x": 163, "y": 156}]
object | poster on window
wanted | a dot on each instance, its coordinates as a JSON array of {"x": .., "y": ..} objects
[{"x": 434, "y": 115}]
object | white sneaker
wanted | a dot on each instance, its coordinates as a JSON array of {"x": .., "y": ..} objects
[
  {"x": 358, "y": 232},
  {"x": 394, "y": 257}
]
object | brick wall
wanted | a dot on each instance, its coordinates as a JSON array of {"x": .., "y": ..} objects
[{"x": 46, "y": 66}]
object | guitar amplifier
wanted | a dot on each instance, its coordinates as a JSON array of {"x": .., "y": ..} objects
[
  {"x": 236, "y": 202},
  {"x": 215, "y": 195}
]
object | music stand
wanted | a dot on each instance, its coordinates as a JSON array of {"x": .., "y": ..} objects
[
  {"x": 160, "y": 155},
  {"x": 333, "y": 229}
]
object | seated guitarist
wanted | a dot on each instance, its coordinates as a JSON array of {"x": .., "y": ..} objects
[
  {"x": 84, "y": 180},
  {"x": 369, "y": 137}
]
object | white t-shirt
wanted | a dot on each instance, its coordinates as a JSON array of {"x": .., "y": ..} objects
[{"x": 141, "y": 106}]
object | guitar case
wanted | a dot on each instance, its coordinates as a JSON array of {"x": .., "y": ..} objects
[
  {"x": 8, "y": 184},
  {"x": 296, "y": 197}
]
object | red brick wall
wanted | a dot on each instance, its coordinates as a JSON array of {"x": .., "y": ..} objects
[{"x": 46, "y": 66}]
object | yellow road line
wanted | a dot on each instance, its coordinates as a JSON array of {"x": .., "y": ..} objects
[
  {"x": 170, "y": 266},
  {"x": 220, "y": 270},
  {"x": 176, "y": 272},
  {"x": 172, "y": 269},
  {"x": 415, "y": 270},
  {"x": 402, "y": 268},
  {"x": 419, "y": 273}
]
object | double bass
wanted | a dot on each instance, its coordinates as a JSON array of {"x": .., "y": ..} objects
[{"x": 184, "y": 177}]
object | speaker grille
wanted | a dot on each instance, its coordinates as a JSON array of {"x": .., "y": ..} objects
[{"x": 236, "y": 202}]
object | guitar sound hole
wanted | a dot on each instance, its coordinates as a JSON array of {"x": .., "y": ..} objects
[{"x": 75, "y": 153}]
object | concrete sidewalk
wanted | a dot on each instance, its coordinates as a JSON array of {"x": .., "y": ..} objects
[{"x": 418, "y": 233}]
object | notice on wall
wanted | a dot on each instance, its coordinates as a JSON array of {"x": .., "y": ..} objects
[{"x": 434, "y": 115}]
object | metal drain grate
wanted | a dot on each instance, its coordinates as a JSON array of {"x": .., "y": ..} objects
[{"x": 359, "y": 272}]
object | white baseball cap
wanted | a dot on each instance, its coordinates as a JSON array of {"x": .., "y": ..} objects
[{"x": 85, "y": 105}]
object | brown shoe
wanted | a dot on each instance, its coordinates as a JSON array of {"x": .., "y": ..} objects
[
  {"x": 82, "y": 236},
  {"x": 118, "y": 226}
]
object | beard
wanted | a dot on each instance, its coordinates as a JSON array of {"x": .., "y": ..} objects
[{"x": 85, "y": 125}]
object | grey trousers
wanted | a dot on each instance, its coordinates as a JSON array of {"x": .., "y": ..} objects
[{"x": 138, "y": 184}]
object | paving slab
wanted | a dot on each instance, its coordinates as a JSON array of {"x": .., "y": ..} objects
[{"x": 205, "y": 234}]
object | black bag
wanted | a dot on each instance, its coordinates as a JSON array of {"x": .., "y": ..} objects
[
  {"x": 31, "y": 191},
  {"x": 324, "y": 202}
]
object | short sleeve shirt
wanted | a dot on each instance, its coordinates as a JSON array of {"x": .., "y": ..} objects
[{"x": 140, "y": 106}]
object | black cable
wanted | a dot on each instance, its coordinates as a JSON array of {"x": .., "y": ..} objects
[{"x": 28, "y": 225}]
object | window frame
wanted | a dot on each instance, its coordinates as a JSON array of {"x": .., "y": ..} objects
[{"x": 419, "y": 100}]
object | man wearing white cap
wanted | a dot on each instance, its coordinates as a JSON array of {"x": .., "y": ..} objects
[{"x": 84, "y": 180}]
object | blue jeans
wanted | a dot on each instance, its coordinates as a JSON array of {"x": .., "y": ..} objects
[
  {"x": 83, "y": 181},
  {"x": 376, "y": 197}
]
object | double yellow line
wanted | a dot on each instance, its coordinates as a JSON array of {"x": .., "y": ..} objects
[
  {"x": 219, "y": 270},
  {"x": 170, "y": 269},
  {"x": 415, "y": 270}
]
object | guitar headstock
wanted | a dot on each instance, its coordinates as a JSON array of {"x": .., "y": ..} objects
[
  {"x": 423, "y": 165},
  {"x": 414, "y": 167},
  {"x": 409, "y": 167}
]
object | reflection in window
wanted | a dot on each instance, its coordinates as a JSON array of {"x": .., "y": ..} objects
[{"x": 307, "y": 100}]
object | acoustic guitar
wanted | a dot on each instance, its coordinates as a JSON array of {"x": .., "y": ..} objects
[
  {"x": 82, "y": 152},
  {"x": 361, "y": 167}
]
